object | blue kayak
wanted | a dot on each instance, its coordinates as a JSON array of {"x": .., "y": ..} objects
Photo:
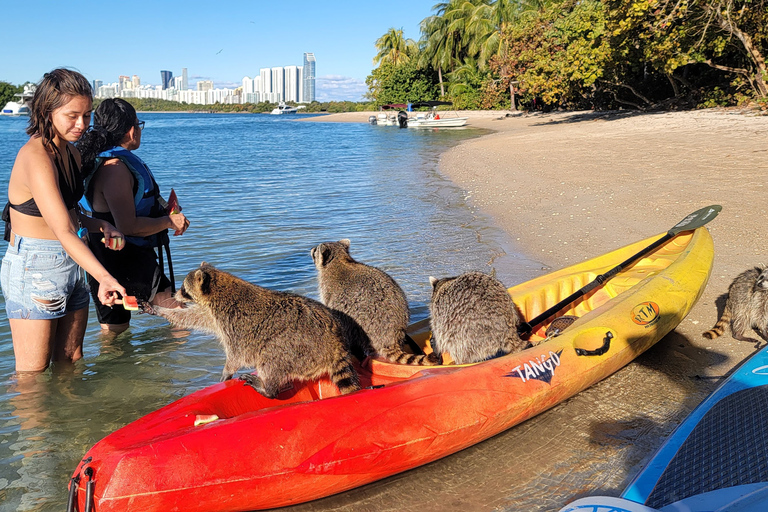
[{"x": 716, "y": 460}]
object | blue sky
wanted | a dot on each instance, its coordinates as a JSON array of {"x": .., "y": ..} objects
[{"x": 222, "y": 40}]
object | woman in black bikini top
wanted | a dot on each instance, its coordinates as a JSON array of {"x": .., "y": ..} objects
[{"x": 45, "y": 291}]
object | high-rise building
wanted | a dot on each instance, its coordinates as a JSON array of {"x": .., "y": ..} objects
[
  {"x": 292, "y": 83},
  {"x": 309, "y": 78},
  {"x": 266, "y": 83},
  {"x": 96, "y": 86},
  {"x": 205, "y": 85},
  {"x": 278, "y": 83},
  {"x": 177, "y": 82},
  {"x": 184, "y": 79},
  {"x": 166, "y": 77},
  {"x": 136, "y": 81}
]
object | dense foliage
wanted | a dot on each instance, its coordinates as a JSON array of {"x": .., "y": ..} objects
[
  {"x": 543, "y": 54},
  {"x": 7, "y": 92}
]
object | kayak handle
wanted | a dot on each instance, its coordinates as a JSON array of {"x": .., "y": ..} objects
[
  {"x": 598, "y": 351},
  {"x": 89, "y": 489},
  {"x": 73, "y": 483}
]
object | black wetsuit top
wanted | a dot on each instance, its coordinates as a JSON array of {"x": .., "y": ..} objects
[{"x": 70, "y": 185}]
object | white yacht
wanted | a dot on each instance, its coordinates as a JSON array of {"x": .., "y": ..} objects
[
  {"x": 282, "y": 108},
  {"x": 20, "y": 107}
]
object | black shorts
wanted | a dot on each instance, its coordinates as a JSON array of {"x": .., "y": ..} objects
[{"x": 134, "y": 267}]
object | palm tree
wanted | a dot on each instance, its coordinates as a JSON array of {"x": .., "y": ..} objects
[
  {"x": 444, "y": 36},
  {"x": 394, "y": 48}
]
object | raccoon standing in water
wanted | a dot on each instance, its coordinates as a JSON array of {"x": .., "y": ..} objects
[
  {"x": 281, "y": 335},
  {"x": 746, "y": 306},
  {"x": 473, "y": 318},
  {"x": 369, "y": 297}
]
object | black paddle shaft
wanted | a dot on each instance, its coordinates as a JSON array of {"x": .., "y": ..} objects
[{"x": 691, "y": 222}]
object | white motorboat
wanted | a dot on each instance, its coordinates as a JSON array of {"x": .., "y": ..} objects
[
  {"x": 282, "y": 108},
  {"x": 388, "y": 114},
  {"x": 435, "y": 119},
  {"x": 20, "y": 107}
]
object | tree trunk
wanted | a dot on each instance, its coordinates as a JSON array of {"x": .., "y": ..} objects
[
  {"x": 752, "y": 51},
  {"x": 512, "y": 96},
  {"x": 440, "y": 76}
]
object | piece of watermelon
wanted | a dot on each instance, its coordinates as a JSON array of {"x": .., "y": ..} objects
[
  {"x": 130, "y": 303},
  {"x": 173, "y": 203}
]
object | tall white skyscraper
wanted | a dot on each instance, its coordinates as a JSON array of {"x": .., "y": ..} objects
[
  {"x": 266, "y": 83},
  {"x": 309, "y": 77},
  {"x": 184, "y": 79},
  {"x": 247, "y": 85},
  {"x": 292, "y": 81},
  {"x": 278, "y": 83}
]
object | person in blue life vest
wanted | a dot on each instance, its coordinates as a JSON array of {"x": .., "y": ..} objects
[
  {"x": 46, "y": 294},
  {"x": 120, "y": 188}
]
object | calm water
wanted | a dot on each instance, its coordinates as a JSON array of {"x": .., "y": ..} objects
[{"x": 260, "y": 191}]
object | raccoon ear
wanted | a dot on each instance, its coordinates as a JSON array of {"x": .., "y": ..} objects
[
  {"x": 203, "y": 278},
  {"x": 326, "y": 254},
  {"x": 345, "y": 242}
]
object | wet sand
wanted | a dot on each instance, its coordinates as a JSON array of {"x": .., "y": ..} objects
[{"x": 568, "y": 187}]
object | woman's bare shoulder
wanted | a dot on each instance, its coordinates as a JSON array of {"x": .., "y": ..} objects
[{"x": 34, "y": 156}]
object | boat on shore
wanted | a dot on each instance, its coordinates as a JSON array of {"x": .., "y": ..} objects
[
  {"x": 433, "y": 117},
  {"x": 228, "y": 448},
  {"x": 20, "y": 107},
  {"x": 388, "y": 114}
]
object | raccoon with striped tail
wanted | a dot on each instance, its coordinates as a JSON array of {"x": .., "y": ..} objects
[
  {"x": 283, "y": 336},
  {"x": 746, "y": 307},
  {"x": 372, "y": 306}
]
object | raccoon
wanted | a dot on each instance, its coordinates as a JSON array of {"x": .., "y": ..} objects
[
  {"x": 282, "y": 336},
  {"x": 473, "y": 318},
  {"x": 368, "y": 297},
  {"x": 746, "y": 306}
]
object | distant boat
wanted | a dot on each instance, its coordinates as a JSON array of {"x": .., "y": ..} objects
[
  {"x": 20, "y": 107},
  {"x": 433, "y": 119},
  {"x": 282, "y": 108}
]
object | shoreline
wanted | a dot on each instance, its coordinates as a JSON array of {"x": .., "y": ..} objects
[{"x": 566, "y": 187}]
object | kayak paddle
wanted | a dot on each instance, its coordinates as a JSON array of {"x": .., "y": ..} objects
[{"x": 689, "y": 223}]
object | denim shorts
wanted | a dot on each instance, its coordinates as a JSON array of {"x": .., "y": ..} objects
[{"x": 40, "y": 281}]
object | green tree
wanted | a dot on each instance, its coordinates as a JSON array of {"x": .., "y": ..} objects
[
  {"x": 8, "y": 91},
  {"x": 394, "y": 48},
  {"x": 558, "y": 54},
  {"x": 401, "y": 84}
]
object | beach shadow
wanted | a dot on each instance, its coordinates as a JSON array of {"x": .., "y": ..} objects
[{"x": 563, "y": 118}]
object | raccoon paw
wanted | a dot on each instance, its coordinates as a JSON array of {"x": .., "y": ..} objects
[
  {"x": 256, "y": 383},
  {"x": 146, "y": 307},
  {"x": 435, "y": 359}
]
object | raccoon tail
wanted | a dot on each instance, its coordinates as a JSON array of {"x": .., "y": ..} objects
[
  {"x": 345, "y": 377},
  {"x": 720, "y": 326},
  {"x": 396, "y": 355}
]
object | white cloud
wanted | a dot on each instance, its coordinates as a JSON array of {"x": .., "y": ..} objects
[{"x": 339, "y": 88}]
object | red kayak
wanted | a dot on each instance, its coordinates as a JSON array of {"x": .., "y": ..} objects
[{"x": 227, "y": 448}]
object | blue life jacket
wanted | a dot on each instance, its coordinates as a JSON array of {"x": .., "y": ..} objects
[{"x": 146, "y": 192}]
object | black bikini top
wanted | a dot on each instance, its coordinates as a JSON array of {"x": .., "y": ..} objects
[{"x": 70, "y": 186}]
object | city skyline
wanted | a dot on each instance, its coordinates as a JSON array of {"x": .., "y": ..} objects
[
  {"x": 274, "y": 85},
  {"x": 145, "y": 37}
]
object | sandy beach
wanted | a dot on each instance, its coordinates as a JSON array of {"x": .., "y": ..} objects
[{"x": 567, "y": 187}]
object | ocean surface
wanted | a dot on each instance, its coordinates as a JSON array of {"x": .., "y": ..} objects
[{"x": 260, "y": 192}]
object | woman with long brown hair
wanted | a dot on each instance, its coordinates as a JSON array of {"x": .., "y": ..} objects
[{"x": 46, "y": 294}]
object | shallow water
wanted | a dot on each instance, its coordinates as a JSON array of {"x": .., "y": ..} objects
[{"x": 260, "y": 192}]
